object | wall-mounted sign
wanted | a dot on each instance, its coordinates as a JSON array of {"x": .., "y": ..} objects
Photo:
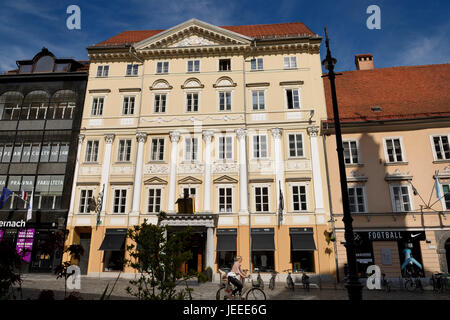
[
  {"x": 12, "y": 224},
  {"x": 24, "y": 245},
  {"x": 389, "y": 235}
]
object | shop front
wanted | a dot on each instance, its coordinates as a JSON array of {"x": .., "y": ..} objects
[
  {"x": 302, "y": 249},
  {"x": 226, "y": 248}
]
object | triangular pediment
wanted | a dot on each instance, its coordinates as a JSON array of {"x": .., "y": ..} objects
[
  {"x": 225, "y": 179},
  {"x": 189, "y": 180},
  {"x": 155, "y": 180},
  {"x": 193, "y": 33}
]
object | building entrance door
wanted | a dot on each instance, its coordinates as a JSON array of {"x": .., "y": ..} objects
[
  {"x": 85, "y": 242},
  {"x": 197, "y": 248}
]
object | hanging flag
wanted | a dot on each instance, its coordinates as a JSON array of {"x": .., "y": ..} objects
[
  {"x": 23, "y": 195},
  {"x": 30, "y": 208},
  {"x": 280, "y": 206},
  {"x": 436, "y": 185},
  {"x": 6, "y": 193}
]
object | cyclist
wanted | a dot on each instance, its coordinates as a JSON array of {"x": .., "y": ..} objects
[{"x": 233, "y": 275}]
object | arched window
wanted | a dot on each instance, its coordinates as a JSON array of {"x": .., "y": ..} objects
[
  {"x": 35, "y": 105},
  {"x": 44, "y": 64},
  {"x": 10, "y": 105},
  {"x": 62, "y": 105}
]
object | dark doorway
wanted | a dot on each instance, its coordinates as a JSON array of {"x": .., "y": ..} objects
[
  {"x": 447, "y": 254},
  {"x": 85, "y": 242}
]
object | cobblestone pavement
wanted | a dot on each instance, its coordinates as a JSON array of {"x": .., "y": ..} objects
[{"x": 92, "y": 288}]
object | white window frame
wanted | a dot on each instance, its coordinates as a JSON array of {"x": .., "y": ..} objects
[
  {"x": 289, "y": 66},
  {"x": 102, "y": 71},
  {"x": 411, "y": 203},
  {"x": 134, "y": 104},
  {"x": 86, "y": 204},
  {"x": 351, "y": 155},
  {"x": 162, "y": 67},
  {"x": 225, "y": 186},
  {"x": 113, "y": 191},
  {"x": 440, "y": 146},
  {"x": 92, "y": 105},
  {"x": 441, "y": 186},
  {"x": 225, "y": 100},
  {"x": 264, "y": 91},
  {"x": 166, "y": 93},
  {"x": 118, "y": 149},
  {"x": 199, "y": 148},
  {"x": 299, "y": 98},
  {"x": 386, "y": 154},
  {"x": 253, "y": 147},
  {"x": 258, "y": 64},
  {"x": 261, "y": 185},
  {"x": 86, "y": 152},
  {"x": 198, "y": 92},
  {"x": 190, "y": 186},
  {"x": 193, "y": 66},
  {"x": 158, "y": 144},
  {"x": 363, "y": 187},
  {"x": 217, "y": 146},
  {"x": 147, "y": 192},
  {"x": 289, "y": 148},
  {"x": 291, "y": 190},
  {"x": 134, "y": 71}
]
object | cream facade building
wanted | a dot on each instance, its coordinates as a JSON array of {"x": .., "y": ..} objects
[{"x": 229, "y": 115}]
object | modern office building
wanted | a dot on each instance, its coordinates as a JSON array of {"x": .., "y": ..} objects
[
  {"x": 396, "y": 130},
  {"x": 40, "y": 115}
]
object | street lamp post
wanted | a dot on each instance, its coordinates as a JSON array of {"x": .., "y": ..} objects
[{"x": 353, "y": 285}]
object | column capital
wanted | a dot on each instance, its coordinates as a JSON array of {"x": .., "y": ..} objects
[
  {"x": 313, "y": 131},
  {"x": 207, "y": 135},
  {"x": 141, "y": 137},
  {"x": 241, "y": 133},
  {"x": 276, "y": 132},
  {"x": 174, "y": 136},
  {"x": 109, "y": 138},
  {"x": 80, "y": 138}
]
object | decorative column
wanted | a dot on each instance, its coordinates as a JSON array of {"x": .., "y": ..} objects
[
  {"x": 207, "y": 135},
  {"x": 141, "y": 137},
  {"x": 210, "y": 248},
  {"x": 279, "y": 166},
  {"x": 317, "y": 174},
  {"x": 243, "y": 180},
  {"x": 75, "y": 174},
  {"x": 174, "y": 137},
  {"x": 109, "y": 138}
]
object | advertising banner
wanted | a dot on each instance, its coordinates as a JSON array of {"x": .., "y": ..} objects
[{"x": 24, "y": 246}]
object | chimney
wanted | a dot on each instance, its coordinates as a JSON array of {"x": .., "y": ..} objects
[{"x": 364, "y": 62}]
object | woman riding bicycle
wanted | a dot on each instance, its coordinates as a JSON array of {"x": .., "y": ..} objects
[{"x": 233, "y": 275}]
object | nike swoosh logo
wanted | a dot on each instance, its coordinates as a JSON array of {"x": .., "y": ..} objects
[{"x": 415, "y": 235}]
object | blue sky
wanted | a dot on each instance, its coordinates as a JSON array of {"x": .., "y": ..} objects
[{"x": 412, "y": 32}]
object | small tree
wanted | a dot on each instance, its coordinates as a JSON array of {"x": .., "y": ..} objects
[
  {"x": 10, "y": 264},
  {"x": 158, "y": 258}
]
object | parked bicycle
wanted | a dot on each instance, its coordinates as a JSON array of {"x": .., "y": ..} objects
[
  {"x": 386, "y": 284},
  {"x": 272, "y": 280},
  {"x": 440, "y": 282},
  {"x": 259, "y": 280},
  {"x": 249, "y": 290},
  {"x": 289, "y": 281},
  {"x": 411, "y": 284}
]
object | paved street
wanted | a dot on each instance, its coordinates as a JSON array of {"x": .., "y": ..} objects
[{"x": 92, "y": 288}]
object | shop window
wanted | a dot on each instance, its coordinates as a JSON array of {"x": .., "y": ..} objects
[
  {"x": 302, "y": 261},
  {"x": 113, "y": 260},
  {"x": 225, "y": 260},
  {"x": 413, "y": 251},
  {"x": 263, "y": 260}
]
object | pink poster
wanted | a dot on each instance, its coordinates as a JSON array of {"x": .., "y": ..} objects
[
  {"x": 25, "y": 244},
  {"x": 1, "y": 235}
]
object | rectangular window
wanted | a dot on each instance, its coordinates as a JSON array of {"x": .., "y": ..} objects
[
  {"x": 441, "y": 147},
  {"x": 394, "y": 150},
  {"x": 120, "y": 200},
  {"x": 225, "y": 200},
  {"x": 296, "y": 145},
  {"x": 7, "y": 152},
  {"x": 290, "y": 62},
  {"x": 54, "y": 152},
  {"x": 293, "y": 98},
  {"x": 85, "y": 195},
  {"x": 299, "y": 198},
  {"x": 128, "y": 105},
  {"x": 132, "y": 69},
  {"x": 224, "y": 64},
  {"x": 446, "y": 190},
  {"x": 17, "y": 153},
  {"x": 63, "y": 152},
  {"x": 157, "y": 149},
  {"x": 225, "y": 148},
  {"x": 154, "y": 200},
  {"x": 225, "y": 100},
  {"x": 162, "y": 67},
  {"x": 256, "y": 64},
  {"x": 91, "y": 151},
  {"x": 124, "y": 150},
  {"x": 261, "y": 199},
  {"x": 193, "y": 66},
  {"x": 356, "y": 199},
  {"x": 191, "y": 149},
  {"x": 260, "y": 146},
  {"x": 45, "y": 152},
  {"x": 350, "y": 152},
  {"x": 401, "y": 199},
  {"x": 26, "y": 152},
  {"x": 160, "y": 102},
  {"x": 97, "y": 106},
  {"x": 102, "y": 71},
  {"x": 35, "y": 151},
  {"x": 192, "y": 102},
  {"x": 258, "y": 100}
]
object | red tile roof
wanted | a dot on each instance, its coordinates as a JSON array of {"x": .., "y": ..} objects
[
  {"x": 401, "y": 92},
  {"x": 255, "y": 31}
]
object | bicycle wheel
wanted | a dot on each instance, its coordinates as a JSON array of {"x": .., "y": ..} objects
[
  {"x": 255, "y": 294},
  {"x": 272, "y": 283},
  {"x": 221, "y": 294},
  {"x": 410, "y": 285}
]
